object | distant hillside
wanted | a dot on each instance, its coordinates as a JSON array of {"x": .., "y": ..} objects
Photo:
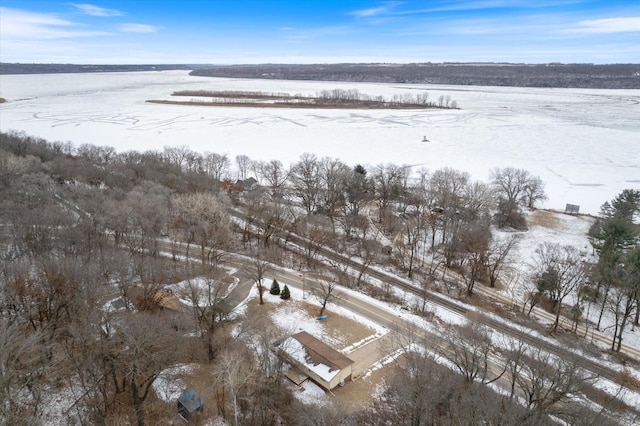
[
  {"x": 7, "y": 68},
  {"x": 616, "y": 76}
]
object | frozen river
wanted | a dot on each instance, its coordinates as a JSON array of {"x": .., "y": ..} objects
[{"x": 584, "y": 144}]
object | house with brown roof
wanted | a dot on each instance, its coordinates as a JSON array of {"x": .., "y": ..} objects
[{"x": 316, "y": 360}]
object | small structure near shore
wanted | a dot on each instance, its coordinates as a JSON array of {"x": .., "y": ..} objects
[{"x": 572, "y": 209}]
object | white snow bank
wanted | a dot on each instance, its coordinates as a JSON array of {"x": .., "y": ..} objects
[{"x": 168, "y": 386}]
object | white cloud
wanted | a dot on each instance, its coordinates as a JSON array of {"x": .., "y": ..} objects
[
  {"x": 608, "y": 25},
  {"x": 375, "y": 11},
  {"x": 465, "y": 5},
  {"x": 138, "y": 28},
  {"x": 17, "y": 16},
  {"x": 92, "y": 10},
  {"x": 22, "y": 24}
]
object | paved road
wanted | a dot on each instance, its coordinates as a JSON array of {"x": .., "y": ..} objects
[
  {"x": 239, "y": 293},
  {"x": 403, "y": 329}
]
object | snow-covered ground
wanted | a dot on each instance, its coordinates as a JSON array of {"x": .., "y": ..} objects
[
  {"x": 584, "y": 144},
  {"x": 168, "y": 386},
  {"x": 304, "y": 321},
  {"x": 558, "y": 228},
  {"x": 544, "y": 227}
]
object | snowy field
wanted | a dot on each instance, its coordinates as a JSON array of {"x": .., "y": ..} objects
[{"x": 585, "y": 144}]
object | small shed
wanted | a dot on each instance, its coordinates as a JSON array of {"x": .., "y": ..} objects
[
  {"x": 572, "y": 209},
  {"x": 189, "y": 403}
]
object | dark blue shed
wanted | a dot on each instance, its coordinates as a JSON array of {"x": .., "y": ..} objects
[{"x": 189, "y": 403}]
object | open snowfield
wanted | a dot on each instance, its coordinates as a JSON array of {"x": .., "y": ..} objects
[{"x": 584, "y": 144}]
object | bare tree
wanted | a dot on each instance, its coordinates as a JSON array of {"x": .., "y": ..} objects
[
  {"x": 515, "y": 187},
  {"x": 307, "y": 181},
  {"x": 207, "y": 297},
  {"x": 145, "y": 216},
  {"x": 448, "y": 187},
  {"x": 324, "y": 290},
  {"x": 204, "y": 220},
  {"x": 390, "y": 183},
  {"x": 177, "y": 155},
  {"x": 478, "y": 200},
  {"x": 23, "y": 368},
  {"x": 497, "y": 257},
  {"x": 368, "y": 250},
  {"x": 514, "y": 353},
  {"x": 422, "y": 391},
  {"x": 469, "y": 348},
  {"x": 535, "y": 288},
  {"x": 624, "y": 301},
  {"x": 312, "y": 229},
  {"x": 510, "y": 183},
  {"x": 334, "y": 175},
  {"x": 411, "y": 238},
  {"x": 275, "y": 176},
  {"x": 271, "y": 219},
  {"x": 243, "y": 163},
  {"x": 258, "y": 270},
  {"x": 236, "y": 371},
  {"x": 216, "y": 165},
  {"x": 149, "y": 345},
  {"x": 475, "y": 241},
  {"x": 560, "y": 271},
  {"x": 546, "y": 380},
  {"x": 533, "y": 192}
]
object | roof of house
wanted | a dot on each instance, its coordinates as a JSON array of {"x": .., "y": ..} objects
[
  {"x": 248, "y": 183},
  {"x": 321, "y": 353}
]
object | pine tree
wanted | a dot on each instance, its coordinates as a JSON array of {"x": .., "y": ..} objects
[
  {"x": 285, "y": 293},
  {"x": 275, "y": 287}
]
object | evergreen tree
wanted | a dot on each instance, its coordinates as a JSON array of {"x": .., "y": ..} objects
[
  {"x": 285, "y": 293},
  {"x": 624, "y": 206},
  {"x": 275, "y": 287}
]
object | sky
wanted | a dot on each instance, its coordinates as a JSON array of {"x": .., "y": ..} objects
[{"x": 319, "y": 31}]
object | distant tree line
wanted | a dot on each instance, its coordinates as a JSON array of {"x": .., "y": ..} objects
[
  {"x": 350, "y": 97},
  {"x": 24, "y": 68},
  {"x": 612, "y": 76}
]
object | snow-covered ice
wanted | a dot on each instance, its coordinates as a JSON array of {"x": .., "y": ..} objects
[{"x": 583, "y": 143}]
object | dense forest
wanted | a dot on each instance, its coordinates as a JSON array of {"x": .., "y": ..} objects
[
  {"x": 28, "y": 68},
  {"x": 610, "y": 76},
  {"x": 614, "y": 76},
  {"x": 82, "y": 225}
]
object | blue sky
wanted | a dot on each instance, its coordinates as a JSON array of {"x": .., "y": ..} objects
[{"x": 327, "y": 31}]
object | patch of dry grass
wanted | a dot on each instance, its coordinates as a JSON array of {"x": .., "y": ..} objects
[
  {"x": 544, "y": 218},
  {"x": 356, "y": 395},
  {"x": 339, "y": 328}
]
